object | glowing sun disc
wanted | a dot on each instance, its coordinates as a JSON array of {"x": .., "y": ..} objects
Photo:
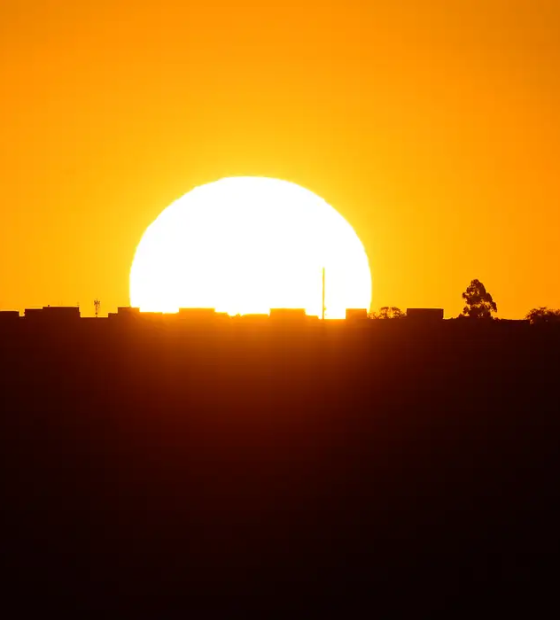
[{"x": 244, "y": 245}]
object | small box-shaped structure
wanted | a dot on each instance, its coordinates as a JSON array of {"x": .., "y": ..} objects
[
  {"x": 8, "y": 316},
  {"x": 128, "y": 311},
  {"x": 124, "y": 313},
  {"x": 424, "y": 314},
  {"x": 33, "y": 314},
  {"x": 61, "y": 312},
  {"x": 56, "y": 314},
  {"x": 356, "y": 314}
]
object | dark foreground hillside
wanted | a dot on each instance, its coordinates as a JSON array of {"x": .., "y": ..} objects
[{"x": 145, "y": 463}]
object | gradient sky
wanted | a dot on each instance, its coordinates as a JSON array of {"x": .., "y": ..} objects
[{"x": 432, "y": 126}]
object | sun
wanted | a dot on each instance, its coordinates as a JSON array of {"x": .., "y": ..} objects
[{"x": 244, "y": 245}]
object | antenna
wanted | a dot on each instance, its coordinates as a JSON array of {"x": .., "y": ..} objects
[
  {"x": 323, "y": 298},
  {"x": 96, "y": 305}
]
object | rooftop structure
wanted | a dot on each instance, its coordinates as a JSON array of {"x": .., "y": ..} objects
[
  {"x": 125, "y": 312},
  {"x": 356, "y": 314},
  {"x": 9, "y": 315},
  {"x": 53, "y": 313},
  {"x": 128, "y": 310},
  {"x": 424, "y": 314},
  {"x": 209, "y": 317}
]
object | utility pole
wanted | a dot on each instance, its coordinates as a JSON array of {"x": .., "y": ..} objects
[{"x": 323, "y": 298}]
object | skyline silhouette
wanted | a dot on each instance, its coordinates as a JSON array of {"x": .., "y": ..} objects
[{"x": 479, "y": 304}]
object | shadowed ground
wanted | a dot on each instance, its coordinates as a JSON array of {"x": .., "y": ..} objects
[{"x": 150, "y": 462}]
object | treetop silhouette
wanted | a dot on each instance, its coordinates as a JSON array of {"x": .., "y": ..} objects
[
  {"x": 388, "y": 312},
  {"x": 543, "y": 315},
  {"x": 478, "y": 302}
]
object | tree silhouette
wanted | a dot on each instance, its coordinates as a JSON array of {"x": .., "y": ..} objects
[
  {"x": 479, "y": 302},
  {"x": 543, "y": 315},
  {"x": 388, "y": 312}
]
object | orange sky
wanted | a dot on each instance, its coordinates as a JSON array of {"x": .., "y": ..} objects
[{"x": 432, "y": 126}]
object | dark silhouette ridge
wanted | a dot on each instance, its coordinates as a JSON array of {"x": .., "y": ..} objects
[{"x": 148, "y": 457}]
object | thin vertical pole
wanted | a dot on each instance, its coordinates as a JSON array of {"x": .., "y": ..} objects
[{"x": 323, "y": 298}]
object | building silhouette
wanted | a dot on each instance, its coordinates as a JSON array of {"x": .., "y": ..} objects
[
  {"x": 424, "y": 314},
  {"x": 190, "y": 319},
  {"x": 356, "y": 314},
  {"x": 50, "y": 314}
]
